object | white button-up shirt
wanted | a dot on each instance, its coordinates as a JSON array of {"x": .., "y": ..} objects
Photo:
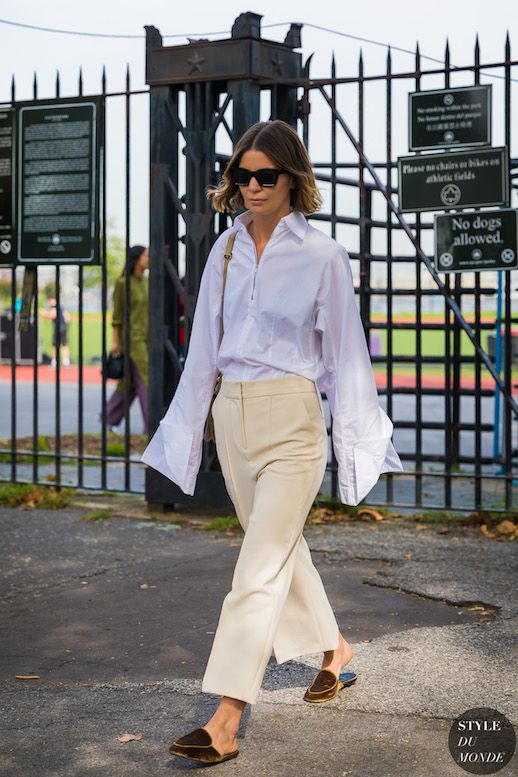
[{"x": 293, "y": 312}]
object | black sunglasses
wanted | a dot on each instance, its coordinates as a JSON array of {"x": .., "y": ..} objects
[{"x": 268, "y": 176}]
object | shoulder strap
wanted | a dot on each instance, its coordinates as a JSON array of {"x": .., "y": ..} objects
[{"x": 228, "y": 257}]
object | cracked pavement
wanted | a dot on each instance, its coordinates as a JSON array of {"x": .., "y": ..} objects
[{"x": 116, "y": 657}]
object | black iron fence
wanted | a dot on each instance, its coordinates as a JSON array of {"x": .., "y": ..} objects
[
  {"x": 53, "y": 383},
  {"x": 451, "y": 402},
  {"x": 472, "y": 478},
  {"x": 450, "y": 391}
]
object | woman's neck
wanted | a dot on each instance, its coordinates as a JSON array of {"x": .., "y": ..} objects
[{"x": 263, "y": 226}]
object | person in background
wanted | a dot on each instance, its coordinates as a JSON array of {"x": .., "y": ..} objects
[
  {"x": 136, "y": 266},
  {"x": 62, "y": 319}
]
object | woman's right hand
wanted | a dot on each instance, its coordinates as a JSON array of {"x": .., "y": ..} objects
[{"x": 114, "y": 350}]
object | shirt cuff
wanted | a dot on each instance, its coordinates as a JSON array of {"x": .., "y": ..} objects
[
  {"x": 175, "y": 451},
  {"x": 362, "y": 465}
]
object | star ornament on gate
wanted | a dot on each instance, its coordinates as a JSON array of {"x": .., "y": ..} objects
[
  {"x": 196, "y": 62},
  {"x": 277, "y": 61}
]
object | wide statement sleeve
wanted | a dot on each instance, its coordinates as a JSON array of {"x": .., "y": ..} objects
[
  {"x": 361, "y": 430},
  {"x": 175, "y": 449}
]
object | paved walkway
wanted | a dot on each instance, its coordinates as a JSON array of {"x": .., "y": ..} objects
[{"x": 117, "y": 617}]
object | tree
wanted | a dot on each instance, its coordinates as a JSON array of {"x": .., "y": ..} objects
[{"x": 115, "y": 259}]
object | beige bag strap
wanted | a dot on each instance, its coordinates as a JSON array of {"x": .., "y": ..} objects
[{"x": 228, "y": 257}]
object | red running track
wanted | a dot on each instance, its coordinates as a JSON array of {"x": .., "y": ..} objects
[{"x": 92, "y": 374}]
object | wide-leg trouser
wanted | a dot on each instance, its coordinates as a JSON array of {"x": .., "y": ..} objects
[
  {"x": 271, "y": 441},
  {"x": 115, "y": 405}
]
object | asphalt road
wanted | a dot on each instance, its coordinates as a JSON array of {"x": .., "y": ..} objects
[{"x": 116, "y": 657}]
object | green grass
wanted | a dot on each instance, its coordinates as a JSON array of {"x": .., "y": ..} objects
[
  {"x": 334, "y": 503},
  {"x": 403, "y": 343},
  {"x": 451, "y": 516},
  {"x": 26, "y": 458},
  {"x": 115, "y": 449},
  {"x": 46, "y": 460},
  {"x": 98, "y": 515},
  {"x": 437, "y": 516},
  {"x": 222, "y": 524},
  {"x": 92, "y": 336},
  {"x": 433, "y": 343},
  {"x": 35, "y": 496}
]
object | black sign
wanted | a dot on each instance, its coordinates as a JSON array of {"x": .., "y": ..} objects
[
  {"x": 482, "y": 740},
  {"x": 58, "y": 181},
  {"x": 449, "y": 117},
  {"x": 485, "y": 240},
  {"x": 460, "y": 179},
  {"x": 7, "y": 231}
]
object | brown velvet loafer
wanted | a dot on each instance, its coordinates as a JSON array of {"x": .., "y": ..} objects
[
  {"x": 198, "y": 746},
  {"x": 326, "y": 685}
]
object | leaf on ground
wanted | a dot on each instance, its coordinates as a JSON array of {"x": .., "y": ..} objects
[
  {"x": 129, "y": 737},
  {"x": 320, "y": 515},
  {"x": 146, "y": 585},
  {"x": 505, "y": 527},
  {"x": 27, "y": 677},
  {"x": 368, "y": 513}
]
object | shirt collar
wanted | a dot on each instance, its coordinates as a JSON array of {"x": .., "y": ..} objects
[{"x": 296, "y": 221}]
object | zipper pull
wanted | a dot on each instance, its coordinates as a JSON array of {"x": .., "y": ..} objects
[{"x": 253, "y": 286}]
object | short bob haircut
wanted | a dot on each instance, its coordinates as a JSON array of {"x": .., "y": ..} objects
[{"x": 279, "y": 141}]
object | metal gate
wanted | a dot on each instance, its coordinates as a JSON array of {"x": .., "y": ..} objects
[
  {"x": 54, "y": 428},
  {"x": 468, "y": 460},
  {"x": 453, "y": 405}
]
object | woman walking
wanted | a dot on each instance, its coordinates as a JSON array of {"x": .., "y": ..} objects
[
  {"x": 291, "y": 329},
  {"x": 136, "y": 266}
]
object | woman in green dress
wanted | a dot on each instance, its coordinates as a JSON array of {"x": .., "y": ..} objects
[{"x": 137, "y": 264}]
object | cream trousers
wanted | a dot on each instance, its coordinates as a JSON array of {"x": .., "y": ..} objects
[{"x": 271, "y": 442}]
